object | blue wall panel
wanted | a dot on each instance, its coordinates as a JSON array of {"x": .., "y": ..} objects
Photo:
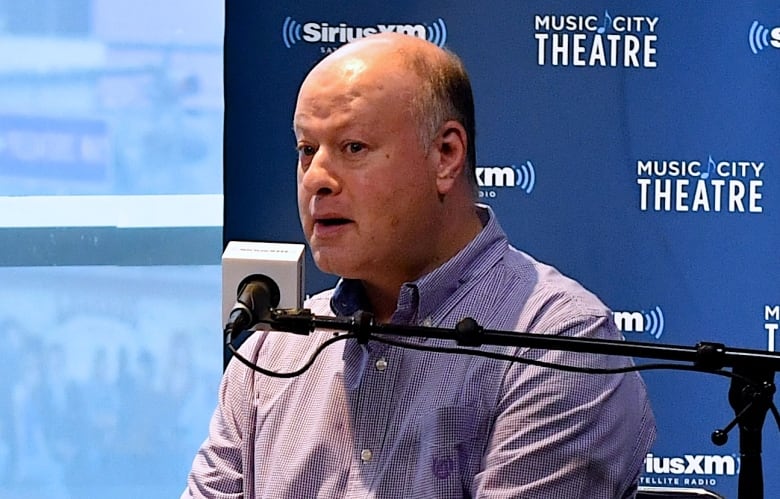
[{"x": 589, "y": 144}]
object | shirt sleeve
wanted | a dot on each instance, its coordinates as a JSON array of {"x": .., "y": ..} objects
[
  {"x": 563, "y": 434},
  {"x": 218, "y": 468}
]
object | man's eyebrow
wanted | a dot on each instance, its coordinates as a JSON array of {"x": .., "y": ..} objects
[{"x": 298, "y": 127}]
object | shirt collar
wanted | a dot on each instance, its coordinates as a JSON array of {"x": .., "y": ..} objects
[{"x": 419, "y": 299}]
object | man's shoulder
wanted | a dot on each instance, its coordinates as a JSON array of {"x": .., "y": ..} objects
[{"x": 550, "y": 288}]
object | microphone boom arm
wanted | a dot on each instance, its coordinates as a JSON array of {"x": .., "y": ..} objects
[
  {"x": 704, "y": 355},
  {"x": 752, "y": 370}
]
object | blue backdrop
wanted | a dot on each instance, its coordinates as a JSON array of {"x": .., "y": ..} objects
[{"x": 634, "y": 146}]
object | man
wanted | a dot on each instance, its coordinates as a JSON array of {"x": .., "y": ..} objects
[{"x": 386, "y": 190}]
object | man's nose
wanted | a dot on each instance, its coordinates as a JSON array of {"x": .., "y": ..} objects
[{"x": 319, "y": 177}]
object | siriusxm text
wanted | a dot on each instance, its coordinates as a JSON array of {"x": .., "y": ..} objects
[
  {"x": 691, "y": 464},
  {"x": 342, "y": 33}
]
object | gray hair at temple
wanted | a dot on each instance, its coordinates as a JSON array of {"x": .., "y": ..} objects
[{"x": 445, "y": 95}]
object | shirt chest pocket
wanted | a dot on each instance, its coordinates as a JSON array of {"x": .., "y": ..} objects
[{"x": 451, "y": 441}]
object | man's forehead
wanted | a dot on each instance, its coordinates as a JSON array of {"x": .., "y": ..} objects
[
  {"x": 344, "y": 72},
  {"x": 348, "y": 84},
  {"x": 339, "y": 111}
]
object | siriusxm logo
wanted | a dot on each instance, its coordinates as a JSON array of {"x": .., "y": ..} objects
[
  {"x": 760, "y": 37},
  {"x": 523, "y": 176},
  {"x": 650, "y": 322},
  {"x": 691, "y": 464},
  {"x": 322, "y": 32}
]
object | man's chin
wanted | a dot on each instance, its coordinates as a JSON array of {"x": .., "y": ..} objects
[{"x": 332, "y": 261}]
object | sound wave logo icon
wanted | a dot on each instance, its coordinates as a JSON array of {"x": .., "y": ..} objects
[
  {"x": 758, "y": 37},
  {"x": 437, "y": 32},
  {"x": 526, "y": 177},
  {"x": 291, "y": 32},
  {"x": 654, "y": 322},
  {"x": 322, "y": 32}
]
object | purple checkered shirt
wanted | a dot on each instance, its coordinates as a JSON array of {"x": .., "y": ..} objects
[{"x": 377, "y": 421}]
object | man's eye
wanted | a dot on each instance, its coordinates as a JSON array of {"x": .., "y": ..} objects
[
  {"x": 355, "y": 147},
  {"x": 306, "y": 150}
]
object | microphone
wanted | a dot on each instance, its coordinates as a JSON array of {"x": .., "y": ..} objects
[
  {"x": 258, "y": 276},
  {"x": 257, "y": 295}
]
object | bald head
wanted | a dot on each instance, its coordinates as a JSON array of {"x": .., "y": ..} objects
[
  {"x": 392, "y": 50},
  {"x": 435, "y": 86}
]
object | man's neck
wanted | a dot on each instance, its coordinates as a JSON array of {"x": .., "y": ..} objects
[
  {"x": 383, "y": 294},
  {"x": 383, "y": 301}
]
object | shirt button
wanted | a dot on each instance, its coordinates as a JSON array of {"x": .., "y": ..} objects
[
  {"x": 427, "y": 322},
  {"x": 381, "y": 364},
  {"x": 366, "y": 455}
]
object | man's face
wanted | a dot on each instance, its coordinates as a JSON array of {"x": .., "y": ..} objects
[{"x": 366, "y": 185}]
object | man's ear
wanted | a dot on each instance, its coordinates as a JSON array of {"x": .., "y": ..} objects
[{"x": 451, "y": 145}]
